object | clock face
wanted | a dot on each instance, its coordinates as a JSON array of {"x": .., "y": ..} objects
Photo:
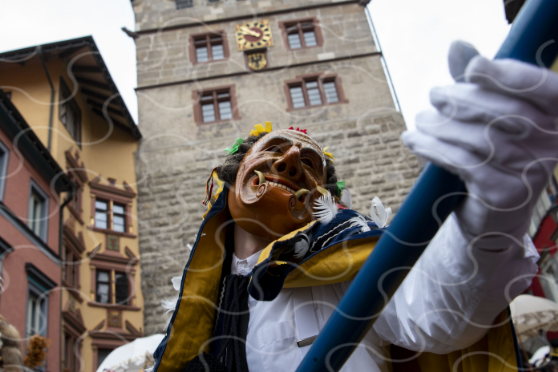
[{"x": 253, "y": 35}]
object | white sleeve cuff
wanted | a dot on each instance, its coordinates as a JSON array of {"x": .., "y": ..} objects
[{"x": 454, "y": 292}]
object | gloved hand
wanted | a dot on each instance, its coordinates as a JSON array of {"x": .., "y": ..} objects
[{"x": 498, "y": 131}]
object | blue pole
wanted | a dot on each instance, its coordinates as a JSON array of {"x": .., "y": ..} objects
[{"x": 432, "y": 199}]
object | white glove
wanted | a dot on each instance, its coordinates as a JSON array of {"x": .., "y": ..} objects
[{"x": 498, "y": 131}]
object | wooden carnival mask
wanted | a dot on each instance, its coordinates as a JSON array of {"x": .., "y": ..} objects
[{"x": 275, "y": 184}]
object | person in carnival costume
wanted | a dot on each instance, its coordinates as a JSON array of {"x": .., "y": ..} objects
[{"x": 279, "y": 244}]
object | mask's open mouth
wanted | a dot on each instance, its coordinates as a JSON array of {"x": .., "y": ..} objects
[{"x": 280, "y": 183}]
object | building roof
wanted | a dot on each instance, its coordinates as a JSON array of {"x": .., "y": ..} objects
[
  {"x": 27, "y": 142},
  {"x": 91, "y": 73}
]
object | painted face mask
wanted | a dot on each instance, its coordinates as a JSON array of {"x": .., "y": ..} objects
[{"x": 276, "y": 184}]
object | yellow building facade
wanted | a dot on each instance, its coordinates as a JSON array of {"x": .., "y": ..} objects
[{"x": 66, "y": 94}]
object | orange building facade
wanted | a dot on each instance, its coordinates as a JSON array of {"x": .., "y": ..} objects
[{"x": 67, "y": 96}]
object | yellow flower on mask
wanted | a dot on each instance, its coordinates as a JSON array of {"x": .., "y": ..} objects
[
  {"x": 328, "y": 154},
  {"x": 259, "y": 129}
]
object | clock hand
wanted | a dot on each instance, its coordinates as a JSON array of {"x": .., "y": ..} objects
[{"x": 245, "y": 31}]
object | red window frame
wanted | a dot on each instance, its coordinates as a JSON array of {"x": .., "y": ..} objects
[
  {"x": 299, "y": 26},
  {"x": 302, "y": 80},
  {"x": 208, "y": 39},
  {"x": 197, "y": 97}
]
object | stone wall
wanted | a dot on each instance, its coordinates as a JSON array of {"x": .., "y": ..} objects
[
  {"x": 166, "y": 113},
  {"x": 161, "y": 14},
  {"x": 164, "y": 57}
]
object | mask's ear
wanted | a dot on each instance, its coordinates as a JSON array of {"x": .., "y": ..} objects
[{"x": 346, "y": 198}]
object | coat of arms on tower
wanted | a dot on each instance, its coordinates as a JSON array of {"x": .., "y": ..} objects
[{"x": 257, "y": 61}]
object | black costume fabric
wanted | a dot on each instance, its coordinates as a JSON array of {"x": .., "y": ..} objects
[
  {"x": 232, "y": 324},
  {"x": 205, "y": 363}
]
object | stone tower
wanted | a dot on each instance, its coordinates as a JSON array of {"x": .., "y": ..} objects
[{"x": 209, "y": 70}]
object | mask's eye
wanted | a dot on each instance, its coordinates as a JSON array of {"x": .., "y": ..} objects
[
  {"x": 308, "y": 162},
  {"x": 275, "y": 149}
]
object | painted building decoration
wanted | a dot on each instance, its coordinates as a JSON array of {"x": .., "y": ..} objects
[
  {"x": 66, "y": 95},
  {"x": 208, "y": 71}
]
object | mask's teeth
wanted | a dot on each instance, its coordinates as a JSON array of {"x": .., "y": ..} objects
[
  {"x": 301, "y": 192},
  {"x": 260, "y": 176}
]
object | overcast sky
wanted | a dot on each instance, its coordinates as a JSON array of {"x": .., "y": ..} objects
[
  {"x": 26, "y": 23},
  {"x": 414, "y": 36}
]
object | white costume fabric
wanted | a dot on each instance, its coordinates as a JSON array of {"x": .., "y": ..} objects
[{"x": 447, "y": 302}]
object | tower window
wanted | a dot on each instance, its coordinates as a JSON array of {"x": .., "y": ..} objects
[
  {"x": 181, "y": 4},
  {"x": 215, "y": 105},
  {"x": 313, "y": 91},
  {"x": 208, "y": 47},
  {"x": 301, "y": 34},
  {"x": 297, "y": 96},
  {"x": 316, "y": 90},
  {"x": 330, "y": 91}
]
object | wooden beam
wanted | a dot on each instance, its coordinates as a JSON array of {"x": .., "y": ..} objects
[
  {"x": 100, "y": 105},
  {"x": 116, "y": 123},
  {"x": 70, "y": 51},
  {"x": 94, "y": 84},
  {"x": 87, "y": 69},
  {"x": 93, "y": 94},
  {"x": 117, "y": 101}
]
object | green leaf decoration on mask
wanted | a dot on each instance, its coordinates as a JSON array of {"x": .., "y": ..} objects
[
  {"x": 340, "y": 187},
  {"x": 239, "y": 141}
]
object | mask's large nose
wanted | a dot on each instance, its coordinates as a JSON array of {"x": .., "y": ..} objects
[{"x": 289, "y": 165}]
